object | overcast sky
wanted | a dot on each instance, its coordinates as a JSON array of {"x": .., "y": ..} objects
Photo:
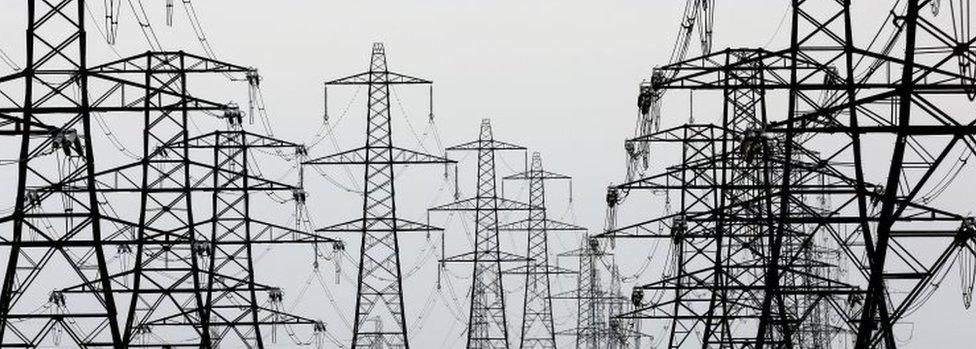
[{"x": 558, "y": 77}]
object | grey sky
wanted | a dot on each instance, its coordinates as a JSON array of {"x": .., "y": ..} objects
[{"x": 559, "y": 77}]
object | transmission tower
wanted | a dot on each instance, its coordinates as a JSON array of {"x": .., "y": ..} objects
[
  {"x": 231, "y": 303},
  {"x": 169, "y": 282},
  {"x": 167, "y": 275},
  {"x": 380, "y": 291},
  {"x": 537, "y": 329},
  {"x": 755, "y": 216},
  {"x": 595, "y": 298},
  {"x": 51, "y": 236},
  {"x": 487, "y": 324}
]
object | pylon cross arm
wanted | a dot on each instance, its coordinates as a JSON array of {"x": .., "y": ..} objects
[
  {"x": 550, "y": 225},
  {"x": 471, "y": 204},
  {"x": 486, "y": 145},
  {"x": 379, "y": 224},
  {"x": 397, "y": 156},
  {"x": 387, "y": 78},
  {"x": 469, "y": 257}
]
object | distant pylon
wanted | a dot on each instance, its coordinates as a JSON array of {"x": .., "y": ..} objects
[
  {"x": 591, "y": 322},
  {"x": 595, "y": 300},
  {"x": 537, "y": 324},
  {"x": 379, "y": 297},
  {"x": 487, "y": 325}
]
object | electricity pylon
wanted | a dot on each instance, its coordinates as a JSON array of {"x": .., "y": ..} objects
[
  {"x": 171, "y": 278},
  {"x": 380, "y": 286},
  {"x": 233, "y": 311},
  {"x": 593, "y": 298},
  {"x": 165, "y": 278},
  {"x": 537, "y": 330},
  {"x": 56, "y": 238},
  {"x": 487, "y": 324},
  {"x": 755, "y": 217}
]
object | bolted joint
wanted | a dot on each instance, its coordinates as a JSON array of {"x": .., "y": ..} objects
[
  {"x": 613, "y": 197},
  {"x": 631, "y": 149},
  {"x": 879, "y": 192},
  {"x": 161, "y": 152},
  {"x": 57, "y": 298},
  {"x": 752, "y": 143},
  {"x": 201, "y": 248},
  {"x": 233, "y": 115},
  {"x": 253, "y": 78},
  {"x": 679, "y": 226},
  {"x": 143, "y": 329},
  {"x": 854, "y": 300},
  {"x": 645, "y": 97},
  {"x": 657, "y": 79},
  {"x": 299, "y": 195},
  {"x": 967, "y": 230},
  {"x": 318, "y": 326},
  {"x": 594, "y": 245},
  {"x": 68, "y": 141},
  {"x": 275, "y": 295},
  {"x": 32, "y": 196},
  {"x": 637, "y": 297}
]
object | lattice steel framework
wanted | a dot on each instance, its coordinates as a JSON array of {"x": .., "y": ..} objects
[
  {"x": 166, "y": 284},
  {"x": 779, "y": 219},
  {"x": 166, "y": 276},
  {"x": 595, "y": 298},
  {"x": 233, "y": 311},
  {"x": 487, "y": 321},
  {"x": 380, "y": 290},
  {"x": 54, "y": 233},
  {"x": 537, "y": 330}
]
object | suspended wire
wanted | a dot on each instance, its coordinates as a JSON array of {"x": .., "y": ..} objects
[
  {"x": 196, "y": 24},
  {"x": 331, "y": 298},
  {"x": 107, "y": 131},
  {"x": 114, "y": 51},
  {"x": 779, "y": 27},
  {"x": 144, "y": 25},
  {"x": 8, "y": 61}
]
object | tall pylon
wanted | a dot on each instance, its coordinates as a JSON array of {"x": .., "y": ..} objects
[
  {"x": 592, "y": 321},
  {"x": 166, "y": 275},
  {"x": 379, "y": 297},
  {"x": 487, "y": 322},
  {"x": 55, "y": 240},
  {"x": 537, "y": 329},
  {"x": 754, "y": 261},
  {"x": 233, "y": 311}
]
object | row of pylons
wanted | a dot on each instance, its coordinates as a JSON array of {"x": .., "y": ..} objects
[
  {"x": 162, "y": 251},
  {"x": 818, "y": 209}
]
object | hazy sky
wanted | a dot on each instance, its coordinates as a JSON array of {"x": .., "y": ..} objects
[{"x": 559, "y": 77}]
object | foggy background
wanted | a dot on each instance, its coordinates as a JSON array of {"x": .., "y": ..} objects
[{"x": 559, "y": 77}]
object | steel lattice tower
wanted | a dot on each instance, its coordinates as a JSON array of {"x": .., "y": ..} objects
[
  {"x": 233, "y": 311},
  {"x": 594, "y": 298},
  {"x": 56, "y": 107},
  {"x": 591, "y": 321},
  {"x": 380, "y": 289},
  {"x": 167, "y": 275},
  {"x": 537, "y": 330},
  {"x": 171, "y": 278},
  {"x": 487, "y": 322},
  {"x": 755, "y": 218}
]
